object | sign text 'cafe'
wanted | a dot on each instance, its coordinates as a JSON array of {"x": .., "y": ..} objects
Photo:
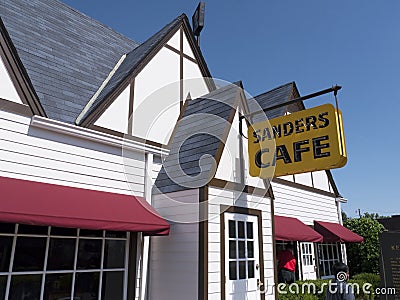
[{"x": 304, "y": 141}]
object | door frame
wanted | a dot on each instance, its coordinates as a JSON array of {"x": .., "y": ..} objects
[{"x": 244, "y": 211}]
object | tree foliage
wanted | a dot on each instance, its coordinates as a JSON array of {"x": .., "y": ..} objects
[{"x": 364, "y": 257}]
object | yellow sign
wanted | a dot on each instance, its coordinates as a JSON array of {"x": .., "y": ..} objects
[{"x": 305, "y": 141}]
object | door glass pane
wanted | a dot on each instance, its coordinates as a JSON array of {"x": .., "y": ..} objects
[
  {"x": 57, "y": 286},
  {"x": 232, "y": 249},
  {"x": 5, "y": 252},
  {"x": 112, "y": 286},
  {"x": 242, "y": 253},
  {"x": 251, "y": 268},
  {"x": 114, "y": 255},
  {"x": 3, "y": 283},
  {"x": 232, "y": 229},
  {"x": 242, "y": 270},
  {"x": 29, "y": 254},
  {"x": 87, "y": 286},
  {"x": 241, "y": 229},
  {"x": 26, "y": 287},
  {"x": 249, "y": 226},
  {"x": 61, "y": 254},
  {"x": 250, "y": 249},
  {"x": 7, "y": 228},
  {"x": 89, "y": 254},
  {"x": 232, "y": 270}
]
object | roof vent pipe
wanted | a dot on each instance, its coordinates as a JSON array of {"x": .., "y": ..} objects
[{"x": 198, "y": 20}]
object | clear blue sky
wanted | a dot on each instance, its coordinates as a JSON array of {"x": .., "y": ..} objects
[{"x": 315, "y": 43}]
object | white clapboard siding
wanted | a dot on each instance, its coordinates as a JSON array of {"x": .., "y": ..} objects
[
  {"x": 40, "y": 155},
  {"x": 174, "y": 259},
  {"x": 304, "y": 205},
  {"x": 217, "y": 197}
]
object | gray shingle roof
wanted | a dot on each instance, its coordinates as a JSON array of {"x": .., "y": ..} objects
[
  {"x": 276, "y": 96},
  {"x": 130, "y": 63},
  {"x": 200, "y": 132},
  {"x": 67, "y": 54}
]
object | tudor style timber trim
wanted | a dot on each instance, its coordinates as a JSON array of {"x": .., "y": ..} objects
[
  {"x": 245, "y": 211},
  {"x": 182, "y": 25},
  {"x": 303, "y": 187},
  {"x": 130, "y": 109},
  {"x": 18, "y": 74},
  {"x": 235, "y": 186},
  {"x": 203, "y": 244},
  {"x": 16, "y": 108},
  {"x": 179, "y": 52},
  {"x": 181, "y": 74}
]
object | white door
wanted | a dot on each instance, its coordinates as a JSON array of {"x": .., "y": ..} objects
[
  {"x": 242, "y": 258},
  {"x": 308, "y": 261}
]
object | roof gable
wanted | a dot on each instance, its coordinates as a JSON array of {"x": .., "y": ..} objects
[
  {"x": 198, "y": 140},
  {"x": 23, "y": 91},
  {"x": 131, "y": 65},
  {"x": 66, "y": 54}
]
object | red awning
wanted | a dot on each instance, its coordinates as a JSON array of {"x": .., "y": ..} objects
[
  {"x": 292, "y": 229},
  {"x": 35, "y": 203},
  {"x": 333, "y": 232}
]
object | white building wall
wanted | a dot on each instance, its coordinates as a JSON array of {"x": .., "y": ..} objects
[
  {"x": 174, "y": 259},
  {"x": 31, "y": 153},
  {"x": 217, "y": 197},
  {"x": 7, "y": 89},
  {"x": 304, "y": 205},
  {"x": 116, "y": 115},
  {"x": 156, "y": 104}
]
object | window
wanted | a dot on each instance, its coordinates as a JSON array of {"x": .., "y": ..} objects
[
  {"x": 241, "y": 250},
  {"x": 328, "y": 254},
  {"x": 39, "y": 262},
  {"x": 307, "y": 254}
]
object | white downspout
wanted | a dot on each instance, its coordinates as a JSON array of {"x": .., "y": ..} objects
[
  {"x": 339, "y": 212},
  {"x": 145, "y": 240}
]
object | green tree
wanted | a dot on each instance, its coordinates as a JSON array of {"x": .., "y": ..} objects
[{"x": 364, "y": 257}]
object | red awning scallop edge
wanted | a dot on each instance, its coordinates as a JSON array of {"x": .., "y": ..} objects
[
  {"x": 334, "y": 232},
  {"x": 292, "y": 229},
  {"x": 36, "y": 203}
]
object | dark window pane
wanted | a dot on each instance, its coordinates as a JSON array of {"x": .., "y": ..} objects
[
  {"x": 5, "y": 252},
  {"x": 26, "y": 287},
  {"x": 250, "y": 249},
  {"x": 3, "y": 283},
  {"x": 250, "y": 264},
  {"x": 87, "y": 286},
  {"x": 112, "y": 286},
  {"x": 232, "y": 249},
  {"x": 114, "y": 254},
  {"x": 242, "y": 270},
  {"x": 7, "y": 228},
  {"x": 63, "y": 231},
  {"x": 242, "y": 253},
  {"x": 58, "y": 286},
  {"x": 249, "y": 226},
  {"x": 30, "y": 229},
  {"x": 116, "y": 234},
  {"x": 61, "y": 254},
  {"x": 91, "y": 233},
  {"x": 89, "y": 254},
  {"x": 29, "y": 254},
  {"x": 232, "y": 229},
  {"x": 241, "y": 229},
  {"x": 232, "y": 270}
]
